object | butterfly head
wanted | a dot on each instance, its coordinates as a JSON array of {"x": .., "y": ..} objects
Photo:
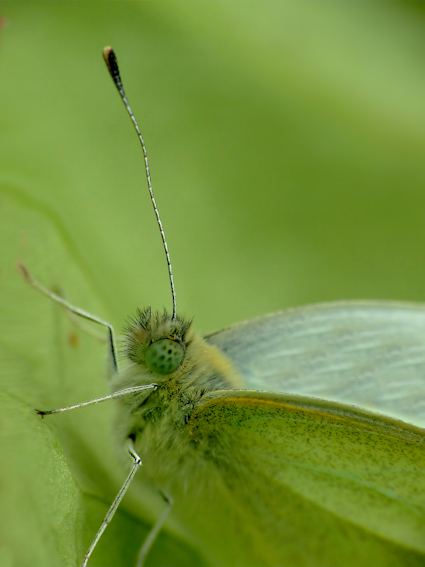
[{"x": 157, "y": 341}]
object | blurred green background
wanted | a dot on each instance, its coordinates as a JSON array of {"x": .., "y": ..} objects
[{"x": 286, "y": 145}]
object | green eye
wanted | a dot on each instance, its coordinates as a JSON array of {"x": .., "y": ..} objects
[{"x": 164, "y": 356}]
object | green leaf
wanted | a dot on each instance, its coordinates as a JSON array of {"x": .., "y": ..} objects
[{"x": 286, "y": 144}]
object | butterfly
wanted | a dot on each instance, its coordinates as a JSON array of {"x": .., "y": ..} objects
[{"x": 295, "y": 439}]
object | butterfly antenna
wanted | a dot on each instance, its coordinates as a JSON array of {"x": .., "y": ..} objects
[{"x": 112, "y": 64}]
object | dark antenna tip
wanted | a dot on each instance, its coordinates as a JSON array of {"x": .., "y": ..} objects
[{"x": 112, "y": 64}]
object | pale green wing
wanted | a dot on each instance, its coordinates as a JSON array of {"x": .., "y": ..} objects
[
  {"x": 369, "y": 354},
  {"x": 314, "y": 483}
]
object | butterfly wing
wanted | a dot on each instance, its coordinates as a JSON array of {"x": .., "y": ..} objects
[
  {"x": 314, "y": 483},
  {"x": 369, "y": 354}
]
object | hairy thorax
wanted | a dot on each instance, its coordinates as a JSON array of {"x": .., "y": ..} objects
[{"x": 158, "y": 422}]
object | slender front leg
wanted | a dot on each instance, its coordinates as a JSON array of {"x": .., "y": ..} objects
[
  {"x": 153, "y": 534},
  {"x": 119, "y": 394},
  {"x": 137, "y": 462},
  {"x": 77, "y": 311}
]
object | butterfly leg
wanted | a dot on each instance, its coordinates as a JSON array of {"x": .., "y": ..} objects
[
  {"x": 77, "y": 322},
  {"x": 119, "y": 394},
  {"x": 112, "y": 345},
  {"x": 76, "y": 311},
  {"x": 137, "y": 462},
  {"x": 153, "y": 534}
]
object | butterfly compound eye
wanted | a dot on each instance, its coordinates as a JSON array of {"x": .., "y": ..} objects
[{"x": 164, "y": 356}]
